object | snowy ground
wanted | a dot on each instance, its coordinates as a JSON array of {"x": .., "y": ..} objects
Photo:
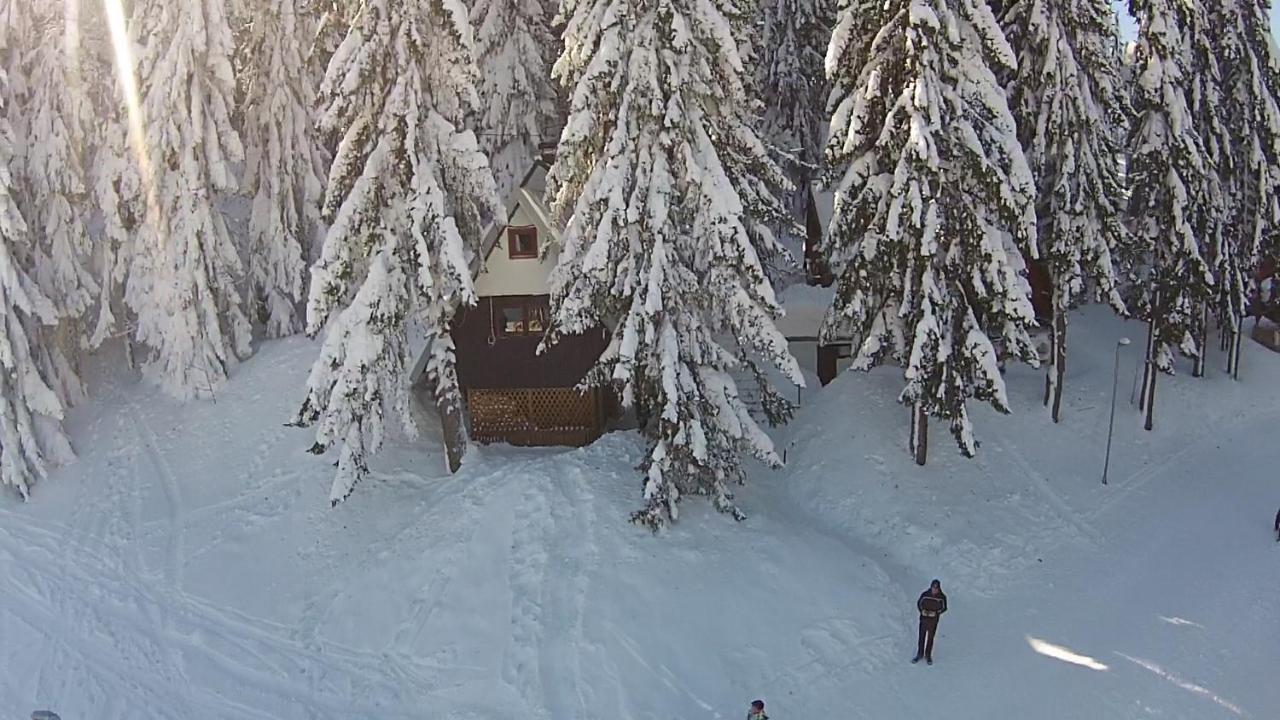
[{"x": 189, "y": 566}]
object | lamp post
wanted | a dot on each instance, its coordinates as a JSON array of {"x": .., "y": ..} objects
[{"x": 1115, "y": 384}]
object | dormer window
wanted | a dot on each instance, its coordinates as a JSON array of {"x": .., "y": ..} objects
[{"x": 522, "y": 243}]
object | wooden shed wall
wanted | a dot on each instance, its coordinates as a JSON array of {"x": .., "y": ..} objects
[{"x": 513, "y": 362}]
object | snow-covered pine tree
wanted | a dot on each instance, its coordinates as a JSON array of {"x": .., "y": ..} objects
[
  {"x": 330, "y": 20},
  {"x": 1251, "y": 116},
  {"x": 1072, "y": 109},
  {"x": 407, "y": 196},
  {"x": 31, "y": 435},
  {"x": 118, "y": 195},
  {"x": 789, "y": 78},
  {"x": 657, "y": 172},
  {"x": 112, "y": 176},
  {"x": 1172, "y": 186},
  {"x": 186, "y": 276},
  {"x": 934, "y": 204},
  {"x": 283, "y": 162},
  {"x": 53, "y": 125},
  {"x": 1206, "y": 103},
  {"x": 517, "y": 95}
]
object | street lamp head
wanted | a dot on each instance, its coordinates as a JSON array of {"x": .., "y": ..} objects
[{"x": 1125, "y": 342}]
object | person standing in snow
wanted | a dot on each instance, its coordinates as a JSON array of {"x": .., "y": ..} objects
[
  {"x": 932, "y": 604},
  {"x": 1278, "y": 526},
  {"x": 757, "y": 711}
]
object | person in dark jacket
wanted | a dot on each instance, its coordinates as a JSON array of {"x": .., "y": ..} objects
[
  {"x": 931, "y": 605},
  {"x": 1278, "y": 526}
]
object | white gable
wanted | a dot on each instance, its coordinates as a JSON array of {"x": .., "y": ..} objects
[
  {"x": 503, "y": 275},
  {"x": 824, "y": 203}
]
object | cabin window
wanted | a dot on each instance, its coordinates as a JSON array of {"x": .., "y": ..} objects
[
  {"x": 522, "y": 317},
  {"x": 513, "y": 320},
  {"x": 522, "y": 242}
]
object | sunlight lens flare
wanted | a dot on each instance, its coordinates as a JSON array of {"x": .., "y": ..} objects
[
  {"x": 1057, "y": 652},
  {"x": 125, "y": 68},
  {"x": 1185, "y": 684},
  {"x": 72, "y": 37}
]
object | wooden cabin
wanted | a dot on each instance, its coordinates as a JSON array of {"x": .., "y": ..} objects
[{"x": 513, "y": 394}]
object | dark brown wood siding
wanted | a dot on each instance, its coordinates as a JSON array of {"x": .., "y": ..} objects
[
  {"x": 1041, "y": 291},
  {"x": 489, "y": 360}
]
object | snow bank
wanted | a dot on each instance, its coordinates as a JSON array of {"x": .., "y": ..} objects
[{"x": 987, "y": 520}]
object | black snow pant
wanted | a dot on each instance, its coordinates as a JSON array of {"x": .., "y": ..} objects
[{"x": 928, "y": 628}]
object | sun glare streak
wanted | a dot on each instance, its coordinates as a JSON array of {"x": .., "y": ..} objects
[
  {"x": 1185, "y": 684},
  {"x": 1057, "y": 652},
  {"x": 125, "y": 73},
  {"x": 72, "y": 37}
]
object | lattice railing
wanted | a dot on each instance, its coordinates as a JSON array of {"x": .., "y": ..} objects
[{"x": 535, "y": 416}]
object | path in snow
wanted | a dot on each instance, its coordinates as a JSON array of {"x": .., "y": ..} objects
[{"x": 189, "y": 567}]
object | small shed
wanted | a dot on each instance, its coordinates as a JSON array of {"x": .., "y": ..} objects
[{"x": 514, "y": 394}]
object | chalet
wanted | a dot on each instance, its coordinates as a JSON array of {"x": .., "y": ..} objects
[
  {"x": 832, "y": 357},
  {"x": 513, "y": 394},
  {"x": 805, "y": 310}
]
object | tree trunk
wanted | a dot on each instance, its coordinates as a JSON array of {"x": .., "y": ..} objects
[
  {"x": 455, "y": 435},
  {"x": 1202, "y": 342},
  {"x": 1149, "y": 374},
  {"x": 919, "y": 434},
  {"x": 1058, "y": 368},
  {"x": 1151, "y": 396},
  {"x": 1149, "y": 368},
  {"x": 1233, "y": 352},
  {"x": 1147, "y": 365}
]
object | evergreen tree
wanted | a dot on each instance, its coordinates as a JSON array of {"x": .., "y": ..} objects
[
  {"x": 282, "y": 161},
  {"x": 54, "y": 123},
  {"x": 1206, "y": 102},
  {"x": 52, "y": 127},
  {"x": 118, "y": 195},
  {"x": 934, "y": 204},
  {"x": 1072, "y": 109},
  {"x": 183, "y": 282},
  {"x": 330, "y": 20},
  {"x": 408, "y": 194},
  {"x": 789, "y": 77},
  {"x": 1173, "y": 186},
  {"x": 660, "y": 172},
  {"x": 31, "y": 435},
  {"x": 518, "y": 99},
  {"x": 1251, "y": 116},
  {"x": 112, "y": 173}
]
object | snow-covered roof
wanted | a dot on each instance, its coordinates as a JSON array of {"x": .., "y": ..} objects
[{"x": 804, "y": 307}]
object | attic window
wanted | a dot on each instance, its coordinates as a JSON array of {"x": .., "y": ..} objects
[{"x": 522, "y": 242}]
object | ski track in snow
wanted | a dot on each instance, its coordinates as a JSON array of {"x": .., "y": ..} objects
[
  {"x": 517, "y": 588},
  {"x": 114, "y": 616},
  {"x": 1216, "y": 432}
]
